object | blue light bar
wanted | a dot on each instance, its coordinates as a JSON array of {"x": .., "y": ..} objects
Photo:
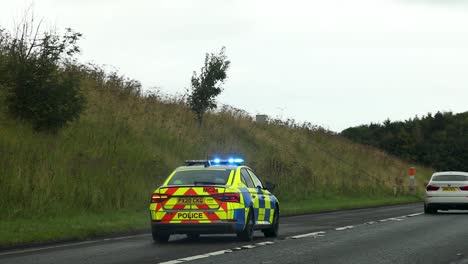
[
  {"x": 230, "y": 161},
  {"x": 238, "y": 160}
]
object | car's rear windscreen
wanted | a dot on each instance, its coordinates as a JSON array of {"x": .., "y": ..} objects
[
  {"x": 450, "y": 178},
  {"x": 200, "y": 177}
]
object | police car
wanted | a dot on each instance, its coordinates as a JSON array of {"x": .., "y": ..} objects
[{"x": 214, "y": 197}]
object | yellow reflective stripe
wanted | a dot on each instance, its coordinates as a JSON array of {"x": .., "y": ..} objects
[
  {"x": 231, "y": 177},
  {"x": 261, "y": 214},
  {"x": 158, "y": 215},
  {"x": 221, "y": 214},
  {"x": 267, "y": 200},
  {"x": 267, "y": 205},
  {"x": 180, "y": 191},
  {"x": 256, "y": 200}
]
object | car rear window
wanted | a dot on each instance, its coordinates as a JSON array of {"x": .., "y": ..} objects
[
  {"x": 200, "y": 177},
  {"x": 450, "y": 178}
]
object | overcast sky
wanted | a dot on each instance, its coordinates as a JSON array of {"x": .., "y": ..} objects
[{"x": 335, "y": 63}]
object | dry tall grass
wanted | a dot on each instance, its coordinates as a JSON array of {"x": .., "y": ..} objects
[{"x": 124, "y": 145}]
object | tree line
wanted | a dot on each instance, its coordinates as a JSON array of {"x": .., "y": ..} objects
[{"x": 439, "y": 140}]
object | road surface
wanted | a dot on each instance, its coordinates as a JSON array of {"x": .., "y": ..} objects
[{"x": 392, "y": 234}]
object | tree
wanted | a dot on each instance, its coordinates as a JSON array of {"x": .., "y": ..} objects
[
  {"x": 436, "y": 140},
  {"x": 206, "y": 86},
  {"x": 39, "y": 75}
]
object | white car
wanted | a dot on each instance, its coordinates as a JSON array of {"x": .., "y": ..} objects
[{"x": 446, "y": 190}]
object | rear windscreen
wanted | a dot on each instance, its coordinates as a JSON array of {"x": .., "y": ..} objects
[
  {"x": 450, "y": 178},
  {"x": 200, "y": 177}
]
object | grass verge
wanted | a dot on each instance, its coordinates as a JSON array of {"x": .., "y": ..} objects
[
  {"x": 322, "y": 204},
  {"x": 86, "y": 225},
  {"x": 70, "y": 226}
]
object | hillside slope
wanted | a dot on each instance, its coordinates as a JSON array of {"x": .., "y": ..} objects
[{"x": 124, "y": 145}]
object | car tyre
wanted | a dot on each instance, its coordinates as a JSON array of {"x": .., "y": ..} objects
[
  {"x": 429, "y": 210},
  {"x": 160, "y": 237},
  {"x": 248, "y": 232},
  {"x": 273, "y": 230}
]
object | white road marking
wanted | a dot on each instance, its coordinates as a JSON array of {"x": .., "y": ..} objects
[
  {"x": 397, "y": 219},
  {"x": 215, "y": 253},
  {"x": 343, "y": 228},
  {"x": 248, "y": 246},
  {"x": 265, "y": 243},
  {"x": 194, "y": 257},
  {"x": 69, "y": 245},
  {"x": 411, "y": 215},
  {"x": 307, "y": 235},
  {"x": 171, "y": 262}
]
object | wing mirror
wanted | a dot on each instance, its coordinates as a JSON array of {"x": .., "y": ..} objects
[{"x": 269, "y": 186}]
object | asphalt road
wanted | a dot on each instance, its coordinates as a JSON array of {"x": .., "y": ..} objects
[
  {"x": 441, "y": 238},
  {"x": 404, "y": 236}
]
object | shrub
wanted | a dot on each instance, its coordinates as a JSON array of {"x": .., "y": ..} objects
[{"x": 38, "y": 73}]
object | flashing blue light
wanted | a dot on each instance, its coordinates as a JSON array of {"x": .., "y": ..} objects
[{"x": 231, "y": 161}]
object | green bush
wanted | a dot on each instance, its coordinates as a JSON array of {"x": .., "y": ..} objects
[{"x": 38, "y": 73}]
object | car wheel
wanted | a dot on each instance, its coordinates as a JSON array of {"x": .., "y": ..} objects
[
  {"x": 428, "y": 210},
  {"x": 247, "y": 233},
  {"x": 160, "y": 237},
  {"x": 273, "y": 230}
]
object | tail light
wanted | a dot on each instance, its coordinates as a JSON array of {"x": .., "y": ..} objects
[
  {"x": 158, "y": 198},
  {"x": 464, "y": 188},
  {"x": 227, "y": 197},
  {"x": 432, "y": 188}
]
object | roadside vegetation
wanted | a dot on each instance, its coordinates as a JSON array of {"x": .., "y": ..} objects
[{"x": 95, "y": 173}]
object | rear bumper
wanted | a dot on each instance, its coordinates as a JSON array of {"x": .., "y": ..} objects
[
  {"x": 205, "y": 228},
  {"x": 448, "y": 206},
  {"x": 447, "y": 202}
]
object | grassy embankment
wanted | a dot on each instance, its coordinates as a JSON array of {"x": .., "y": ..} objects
[{"x": 96, "y": 175}]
